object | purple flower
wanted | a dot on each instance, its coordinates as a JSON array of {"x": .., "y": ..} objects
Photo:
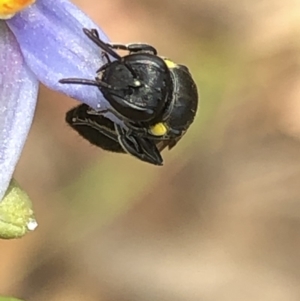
[{"x": 43, "y": 43}]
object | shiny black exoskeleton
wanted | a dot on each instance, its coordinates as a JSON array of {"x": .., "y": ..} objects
[
  {"x": 139, "y": 86},
  {"x": 104, "y": 133},
  {"x": 155, "y": 98}
]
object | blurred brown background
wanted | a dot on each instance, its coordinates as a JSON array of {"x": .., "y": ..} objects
[{"x": 221, "y": 219}]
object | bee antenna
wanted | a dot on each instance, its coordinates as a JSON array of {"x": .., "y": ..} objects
[
  {"x": 94, "y": 36},
  {"x": 79, "y": 81}
]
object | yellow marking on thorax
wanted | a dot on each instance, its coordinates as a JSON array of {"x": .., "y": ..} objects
[
  {"x": 158, "y": 129},
  {"x": 170, "y": 64}
]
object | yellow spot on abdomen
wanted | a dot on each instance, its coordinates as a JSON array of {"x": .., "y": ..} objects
[
  {"x": 9, "y": 8},
  {"x": 158, "y": 129}
]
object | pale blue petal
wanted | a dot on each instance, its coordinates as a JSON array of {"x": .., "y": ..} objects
[
  {"x": 18, "y": 94},
  {"x": 54, "y": 47}
]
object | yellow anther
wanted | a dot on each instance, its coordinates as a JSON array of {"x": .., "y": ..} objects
[
  {"x": 9, "y": 8},
  {"x": 158, "y": 129}
]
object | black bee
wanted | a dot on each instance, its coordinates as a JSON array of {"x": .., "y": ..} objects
[{"x": 155, "y": 98}]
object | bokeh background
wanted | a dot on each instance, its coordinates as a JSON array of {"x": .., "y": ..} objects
[{"x": 221, "y": 219}]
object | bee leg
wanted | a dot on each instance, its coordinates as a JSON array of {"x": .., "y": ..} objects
[
  {"x": 138, "y": 130},
  {"x": 141, "y": 148},
  {"x": 134, "y": 48},
  {"x": 150, "y": 150}
]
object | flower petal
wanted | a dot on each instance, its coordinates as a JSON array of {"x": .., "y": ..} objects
[
  {"x": 18, "y": 94},
  {"x": 54, "y": 46}
]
